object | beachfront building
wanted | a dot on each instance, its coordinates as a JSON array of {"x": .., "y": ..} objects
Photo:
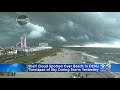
[
  {"x": 1, "y": 52},
  {"x": 11, "y": 52},
  {"x": 8, "y": 52},
  {"x": 43, "y": 44}
]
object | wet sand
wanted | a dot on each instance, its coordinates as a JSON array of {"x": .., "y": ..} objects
[{"x": 65, "y": 57}]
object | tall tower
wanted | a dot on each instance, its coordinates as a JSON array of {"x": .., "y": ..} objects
[
  {"x": 22, "y": 39},
  {"x": 23, "y": 42}
]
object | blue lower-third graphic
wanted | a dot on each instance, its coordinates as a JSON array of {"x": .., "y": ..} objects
[{"x": 12, "y": 67}]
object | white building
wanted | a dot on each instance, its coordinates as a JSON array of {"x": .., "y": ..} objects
[
  {"x": 43, "y": 44},
  {"x": 23, "y": 42},
  {"x": 0, "y": 52},
  {"x": 11, "y": 52},
  {"x": 8, "y": 52}
]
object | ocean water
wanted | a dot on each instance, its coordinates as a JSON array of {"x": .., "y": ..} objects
[{"x": 100, "y": 55}]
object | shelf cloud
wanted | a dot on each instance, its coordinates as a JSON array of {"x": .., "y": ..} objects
[{"x": 61, "y": 28}]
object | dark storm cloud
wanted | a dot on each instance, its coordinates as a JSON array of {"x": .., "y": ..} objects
[{"x": 61, "y": 28}]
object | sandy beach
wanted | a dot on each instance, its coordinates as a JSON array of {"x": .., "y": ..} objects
[{"x": 65, "y": 57}]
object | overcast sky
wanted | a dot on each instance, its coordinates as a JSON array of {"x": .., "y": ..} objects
[{"x": 61, "y": 28}]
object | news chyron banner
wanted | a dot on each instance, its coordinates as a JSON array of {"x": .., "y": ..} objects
[
  {"x": 68, "y": 68},
  {"x": 59, "y": 67}
]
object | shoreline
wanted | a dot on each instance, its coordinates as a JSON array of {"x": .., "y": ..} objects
[{"x": 66, "y": 56}]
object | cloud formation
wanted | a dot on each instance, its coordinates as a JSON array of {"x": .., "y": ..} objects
[
  {"x": 37, "y": 31},
  {"x": 61, "y": 38},
  {"x": 61, "y": 28}
]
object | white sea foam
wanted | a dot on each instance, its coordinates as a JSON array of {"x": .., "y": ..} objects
[
  {"x": 112, "y": 62},
  {"x": 111, "y": 53},
  {"x": 88, "y": 55},
  {"x": 94, "y": 60}
]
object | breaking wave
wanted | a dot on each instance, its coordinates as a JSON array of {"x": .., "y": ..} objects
[{"x": 93, "y": 59}]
